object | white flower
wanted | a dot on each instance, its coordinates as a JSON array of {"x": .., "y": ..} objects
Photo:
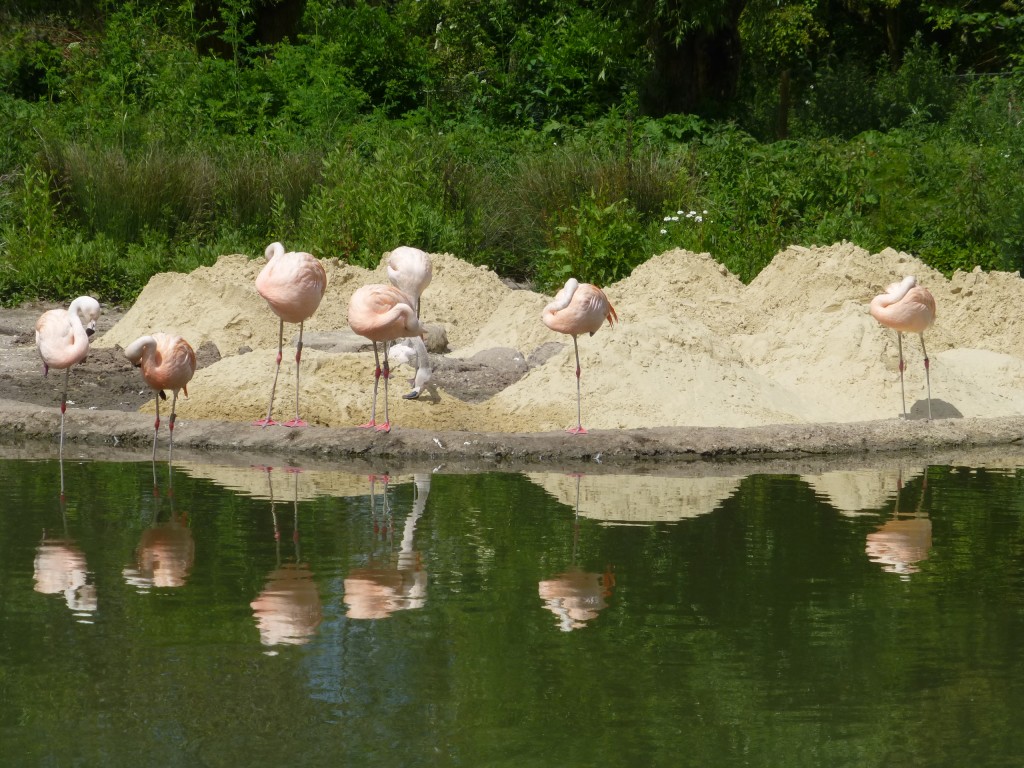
[
  {"x": 698, "y": 219},
  {"x": 664, "y": 231},
  {"x": 679, "y": 213},
  {"x": 675, "y": 218},
  {"x": 667, "y": 218}
]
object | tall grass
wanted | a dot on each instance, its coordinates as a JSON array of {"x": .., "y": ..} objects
[{"x": 537, "y": 206}]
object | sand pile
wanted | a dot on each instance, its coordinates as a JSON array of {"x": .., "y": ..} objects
[{"x": 694, "y": 346}]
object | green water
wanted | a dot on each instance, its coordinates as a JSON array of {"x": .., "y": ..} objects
[{"x": 235, "y": 616}]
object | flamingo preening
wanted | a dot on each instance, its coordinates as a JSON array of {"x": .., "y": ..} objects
[
  {"x": 410, "y": 270},
  {"x": 167, "y": 362},
  {"x": 62, "y": 338}
]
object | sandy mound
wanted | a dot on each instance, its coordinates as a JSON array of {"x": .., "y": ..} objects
[{"x": 694, "y": 346}]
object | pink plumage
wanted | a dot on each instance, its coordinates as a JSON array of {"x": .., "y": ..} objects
[
  {"x": 293, "y": 283},
  {"x": 167, "y": 362},
  {"x": 578, "y": 308},
  {"x": 382, "y": 313},
  {"x": 62, "y": 338},
  {"x": 907, "y": 307}
]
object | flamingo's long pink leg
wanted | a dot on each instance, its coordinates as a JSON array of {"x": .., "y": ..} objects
[
  {"x": 376, "y": 380},
  {"x": 578, "y": 429},
  {"x": 170, "y": 426},
  {"x": 156, "y": 425},
  {"x": 903, "y": 392},
  {"x": 297, "y": 422},
  {"x": 63, "y": 408},
  {"x": 386, "y": 373},
  {"x": 273, "y": 387},
  {"x": 927, "y": 377}
]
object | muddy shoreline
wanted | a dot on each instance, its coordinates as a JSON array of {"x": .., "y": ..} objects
[{"x": 32, "y": 431}]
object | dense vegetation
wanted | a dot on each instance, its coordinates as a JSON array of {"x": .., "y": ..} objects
[{"x": 539, "y": 137}]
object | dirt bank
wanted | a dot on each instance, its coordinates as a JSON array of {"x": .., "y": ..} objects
[{"x": 700, "y": 367}]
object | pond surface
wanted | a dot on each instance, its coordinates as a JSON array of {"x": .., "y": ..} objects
[{"x": 194, "y": 614}]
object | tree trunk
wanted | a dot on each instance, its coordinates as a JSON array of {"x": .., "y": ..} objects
[
  {"x": 699, "y": 75},
  {"x": 785, "y": 98}
]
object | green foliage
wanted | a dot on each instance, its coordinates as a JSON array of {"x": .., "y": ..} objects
[
  {"x": 507, "y": 133},
  {"x": 595, "y": 243},
  {"x": 380, "y": 189}
]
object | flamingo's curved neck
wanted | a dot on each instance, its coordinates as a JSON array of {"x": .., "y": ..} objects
[
  {"x": 897, "y": 291},
  {"x": 564, "y": 296}
]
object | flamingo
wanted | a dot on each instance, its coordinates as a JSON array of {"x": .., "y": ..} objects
[
  {"x": 293, "y": 284},
  {"x": 578, "y": 308},
  {"x": 167, "y": 362},
  {"x": 410, "y": 270},
  {"x": 62, "y": 338},
  {"x": 907, "y": 307},
  {"x": 382, "y": 313}
]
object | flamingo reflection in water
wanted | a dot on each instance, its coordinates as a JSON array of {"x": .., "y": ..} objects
[
  {"x": 166, "y": 551},
  {"x": 378, "y": 591},
  {"x": 899, "y": 544},
  {"x": 288, "y": 609},
  {"x": 60, "y": 567},
  {"x": 576, "y": 596}
]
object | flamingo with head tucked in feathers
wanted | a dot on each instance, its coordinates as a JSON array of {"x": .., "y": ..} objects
[
  {"x": 907, "y": 307},
  {"x": 293, "y": 284},
  {"x": 167, "y": 362},
  {"x": 410, "y": 270},
  {"x": 578, "y": 308},
  {"x": 62, "y": 338},
  {"x": 382, "y": 313}
]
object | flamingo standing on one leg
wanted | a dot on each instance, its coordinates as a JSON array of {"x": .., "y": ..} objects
[
  {"x": 293, "y": 284},
  {"x": 382, "y": 313},
  {"x": 410, "y": 270},
  {"x": 907, "y": 307},
  {"x": 578, "y": 308},
  {"x": 62, "y": 338},
  {"x": 167, "y": 362}
]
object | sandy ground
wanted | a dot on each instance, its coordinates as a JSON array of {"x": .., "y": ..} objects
[{"x": 699, "y": 366}]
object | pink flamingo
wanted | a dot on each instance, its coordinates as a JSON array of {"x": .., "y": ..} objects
[
  {"x": 293, "y": 284},
  {"x": 907, "y": 307},
  {"x": 410, "y": 271},
  {"x": 62, "y": 338},
  {"x": 167, "y": 362},
  {"x": 578, "y": 308},
  {"x": 382, "y": 313}
]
